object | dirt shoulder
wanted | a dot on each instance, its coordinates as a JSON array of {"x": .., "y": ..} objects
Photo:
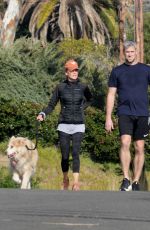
[{"x": 3, "y": 161}]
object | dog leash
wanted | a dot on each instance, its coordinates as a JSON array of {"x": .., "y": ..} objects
[{"x": 37, "y": 135}]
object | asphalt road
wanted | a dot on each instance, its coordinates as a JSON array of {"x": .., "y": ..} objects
[{"x": 82, "y": 210}]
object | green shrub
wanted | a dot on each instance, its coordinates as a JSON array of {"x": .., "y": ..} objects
[
  {"x": 19, "y": 119},
  {"x": 28, "y": 72},
  {"x": 6, "y": 180},
  {"x": 101, "y": 146}
]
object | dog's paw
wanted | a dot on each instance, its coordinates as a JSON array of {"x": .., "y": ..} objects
[{"x": 16, "y": 179}]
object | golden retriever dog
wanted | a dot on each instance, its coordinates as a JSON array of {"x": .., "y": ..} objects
[{"x": 22, "y": 160}]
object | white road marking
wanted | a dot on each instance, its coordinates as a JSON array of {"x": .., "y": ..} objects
[
  {"x": 6, "y": 220},
  {"x": 70, "y": 224}
]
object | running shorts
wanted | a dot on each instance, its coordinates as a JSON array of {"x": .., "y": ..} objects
[{"x": 135, "y": 126}]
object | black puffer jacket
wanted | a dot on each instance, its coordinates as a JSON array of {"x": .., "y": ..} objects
[{"x": 74, "y": 97}]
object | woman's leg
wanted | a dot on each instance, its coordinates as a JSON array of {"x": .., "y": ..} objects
[
  {"x": 64, "y": 139},
  {"x": 76, "y": 145}
]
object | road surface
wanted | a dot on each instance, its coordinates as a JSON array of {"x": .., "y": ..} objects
[{"x": 70, "y": 210}]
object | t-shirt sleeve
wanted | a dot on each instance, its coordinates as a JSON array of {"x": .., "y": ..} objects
[
  {"x": 112, "y": 82},
  {"x": 149, "y": 75}
]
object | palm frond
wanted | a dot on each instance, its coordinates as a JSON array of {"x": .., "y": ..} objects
[
  {"x": 45, "y": 11},
  {"x": 63, "y": 20},
  {"x": 27, "y": 7},
  {"x": 97, "y": 28},
  {"x": 109, "y": 19},
  {"x": 33, "y": 21},
  {"x": 54, "y": 20}
]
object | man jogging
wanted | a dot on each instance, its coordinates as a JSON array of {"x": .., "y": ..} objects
[{"x": 130, "y": 81}]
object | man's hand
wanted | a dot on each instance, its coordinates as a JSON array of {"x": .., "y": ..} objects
[
  {"x": 40, "y": 117},
  {"x": 109, "y": 126}
]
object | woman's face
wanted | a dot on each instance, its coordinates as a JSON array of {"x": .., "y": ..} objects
[{"x": 72, "y": 75}]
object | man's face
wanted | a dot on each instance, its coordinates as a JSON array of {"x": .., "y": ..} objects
[
  {"x": 130, "y": 54},
  {"x": 72, "y": 75}
]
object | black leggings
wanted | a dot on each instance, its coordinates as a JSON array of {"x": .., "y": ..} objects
[{"x": 65, "y": 141}]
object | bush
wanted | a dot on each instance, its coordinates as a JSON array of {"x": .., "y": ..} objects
[
  {"x": 19, "y": 119},
  {"x": 28, "y": 72},
  {"x": 101, "y": 146}
]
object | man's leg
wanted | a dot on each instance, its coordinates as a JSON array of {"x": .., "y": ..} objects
[
  {"x": 125, "y": 159},
  {"x": 141, "y": 131},
  {"x": 125, "y": 155},
  {"x": 138, "y": 159}
]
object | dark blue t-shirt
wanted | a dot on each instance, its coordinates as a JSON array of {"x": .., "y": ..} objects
[{"x": 132, "y": 83}]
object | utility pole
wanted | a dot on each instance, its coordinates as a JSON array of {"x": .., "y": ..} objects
[{"x": 139, "y": 29}]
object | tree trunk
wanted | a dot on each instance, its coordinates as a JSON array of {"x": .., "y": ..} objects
[
  {"x": 139, "y": 29},
  {"x": 10, "y": 22},
  {"x": 122, "y": 35}
]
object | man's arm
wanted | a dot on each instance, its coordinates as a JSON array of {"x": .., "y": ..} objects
[{"x": 109, "y": 108}]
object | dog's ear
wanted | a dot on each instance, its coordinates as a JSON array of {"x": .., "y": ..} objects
[{"x": 12, "y": 138}]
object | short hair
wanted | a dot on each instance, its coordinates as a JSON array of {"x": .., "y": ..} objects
[{"x": 128, "y": 44}]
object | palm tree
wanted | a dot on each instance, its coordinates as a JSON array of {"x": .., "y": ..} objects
[{"x": 54, "y": 20}]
